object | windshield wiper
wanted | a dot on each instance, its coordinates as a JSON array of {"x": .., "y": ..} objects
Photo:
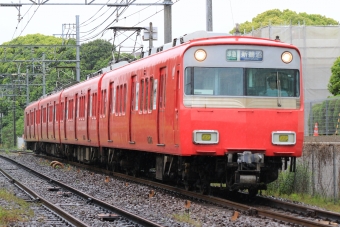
[{"x": 278, "y": 85}]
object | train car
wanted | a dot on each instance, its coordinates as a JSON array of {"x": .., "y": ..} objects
[
  {"x": 217, "y": 109},
  {"x": 79, "y": 131},
  {"x": 32, "y": 120}
]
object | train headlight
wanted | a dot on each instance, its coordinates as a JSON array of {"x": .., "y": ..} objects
[
  {"x": 205, "y": 137},
  {"x": 287, "y": 57},
  {"x": 200, "y": 55},
  {"x": 283, "y": 138}
]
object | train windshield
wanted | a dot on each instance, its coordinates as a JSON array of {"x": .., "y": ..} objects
[{"x": 242, "y": 82}]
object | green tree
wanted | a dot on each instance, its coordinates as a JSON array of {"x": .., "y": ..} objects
[
  {"x": 94, "y": 56},
  {"x": 285, "y": 17},
  {"x": 334, "y": 80}
]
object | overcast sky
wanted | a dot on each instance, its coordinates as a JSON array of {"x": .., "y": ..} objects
[{"x": 187, "y": 16}]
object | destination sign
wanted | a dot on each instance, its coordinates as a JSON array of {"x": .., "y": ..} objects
[{"x": 244, "y": 55}]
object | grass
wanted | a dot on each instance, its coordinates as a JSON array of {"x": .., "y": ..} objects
[
  {"x": 297, "y": 187},
  {"x": 17, "y": 210},
  {"x": 315, "y": 200},
  {"x": 185, "y": 218}
]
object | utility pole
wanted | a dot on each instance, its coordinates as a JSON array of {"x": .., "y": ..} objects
[
  {"x": 44, "y": 74},
  {"x": 27, "y": 88},
  {"x": 209, "y": 16},
  {"x": 77, "y": 50},
  {"x": 14, "y": 108},
  {"x": 167, "y": 21},
  {"x": 150, "y": 36}
]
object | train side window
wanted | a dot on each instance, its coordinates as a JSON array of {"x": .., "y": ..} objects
[
  {"x": 101, "y": 103},
  {"x": 83, "y": 107},
  {"x": 90, "y": 105},
  {"x": 105, "y": 102},
  {"x": 117, "y": 100},
  {"x": 82, "y": 111},
  {"x": 56, "y": 112},
  {"x": 124, "y": 98},
  {"x": 30, "y": 118},
  {"x": 66, "y": 109},
  {"x": 37, "y": 119},
  {"x": 112, "y": 98},
  {"x": 151, "y": 94},
  {"x": 154, "y": 101},
  {"x": 80, "y": 107},
  {"x": 62, "y": 109},
  {"x": 79, "y": 112},
  {"x": 50, "y": 113},
  {"x": 137, "y": 96},
  {"x": 44, "y": 114},
  {"x": 70, "y": 109},
  {"x": 94, "y": 105},
  {"x": 141, "y": 96},
  {"x": 146, "y": 96},
  {"x": 121, "y": 100}
]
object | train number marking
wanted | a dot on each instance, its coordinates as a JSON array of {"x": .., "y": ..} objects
[{"x": 149, "y": 139}]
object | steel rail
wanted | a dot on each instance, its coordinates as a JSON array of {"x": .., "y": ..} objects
[
  {"x": 70, "y": 218},
  {"x": 215, "y": 200},
  {"x": 128, "y": 215}
]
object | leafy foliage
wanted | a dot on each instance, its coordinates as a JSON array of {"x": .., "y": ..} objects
[
  {"x": 334, "y": 80},
  {"x": 285, "y": 17},
  {"x": 58, "y": 72},
  {"x": 95, "y": 55},
  {"x": 289, "y": 182}
]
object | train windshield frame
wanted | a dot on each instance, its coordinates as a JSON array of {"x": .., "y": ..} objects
[{"x": 238, "y": 81}]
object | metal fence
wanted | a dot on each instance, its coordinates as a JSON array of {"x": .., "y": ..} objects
[{"x": 323, "y": 114}]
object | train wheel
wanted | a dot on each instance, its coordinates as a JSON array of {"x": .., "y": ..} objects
[
  {"x": 203, "y": 188},
  {"x": 188, "y": 185},
  {"x": 252, "y": 192}
]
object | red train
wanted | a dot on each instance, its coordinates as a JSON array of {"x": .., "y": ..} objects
[{"x": 226, "y": 109}]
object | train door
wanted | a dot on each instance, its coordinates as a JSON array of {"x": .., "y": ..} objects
[
  {"x": 134, "y": 107},
  {"x": 161, "y": 107},
  {"x": 88, "y": 115},
  {"x": 175, "y": 125},
  {"x": 111, "y": 111},
  {"x": 76, "y": 117}
]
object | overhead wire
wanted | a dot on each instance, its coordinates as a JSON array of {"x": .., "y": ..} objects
[
  {"x": 83, "y": 24},
  {"x": 104, "y": 30},
  {"x": 94, "y": 14},
  {"x": 98, "y": 33},
  {"x": 29, "y": 20},
  {"x": 147, "y": 17},
  {"x": 16, "y": 28}
]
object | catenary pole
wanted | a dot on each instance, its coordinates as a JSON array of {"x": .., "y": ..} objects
[
  {"x": 167, "y": 21},
  {"x": 77, "y": 50},
  {"x": 209, "y": 15}
]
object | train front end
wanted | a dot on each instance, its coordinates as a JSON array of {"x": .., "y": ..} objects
[{"x": 243, "y": 99}]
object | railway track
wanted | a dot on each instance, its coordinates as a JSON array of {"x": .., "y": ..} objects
[
  {"x": 275, "y": 210},
  {"x": 46, "y": 215},
  {"x": 71, "y": 205}
]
